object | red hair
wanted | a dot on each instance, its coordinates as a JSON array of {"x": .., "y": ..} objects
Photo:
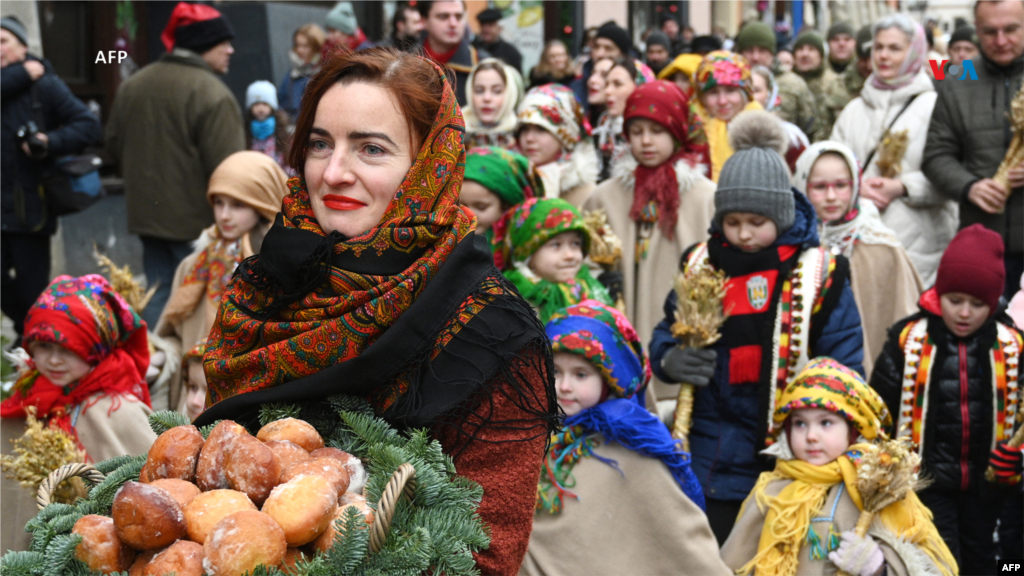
[{"x": 413, "y": 82}]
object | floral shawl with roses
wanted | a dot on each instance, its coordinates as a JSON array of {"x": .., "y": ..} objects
[
  {"x": 531, "y": 224},
  {"x": 411, "y": 314}
]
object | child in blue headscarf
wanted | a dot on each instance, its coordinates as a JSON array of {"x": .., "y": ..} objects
[{"x": 616, "y": 494}]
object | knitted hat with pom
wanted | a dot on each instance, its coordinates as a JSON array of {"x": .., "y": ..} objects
[
  {"x": 973, "y": 264},
  {"x": 755, "y": 178}
]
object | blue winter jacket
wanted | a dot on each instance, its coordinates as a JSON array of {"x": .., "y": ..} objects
[
  {"x": 289, "y": 93},
  {"x": 727, "y": 424}
]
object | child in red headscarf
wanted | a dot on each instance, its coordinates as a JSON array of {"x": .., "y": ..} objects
[{"x": 89, "y": 354}]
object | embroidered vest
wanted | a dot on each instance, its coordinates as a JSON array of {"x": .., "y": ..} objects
[
  {"x": 808, "y": 282},
  {"x": 919, "y": 357}
]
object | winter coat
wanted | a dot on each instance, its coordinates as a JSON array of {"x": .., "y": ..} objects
[
  {"x": 461, "y": 64},
  {"x": 960, "y": 396},
  {"x": 502, "y": 50},
  {"x": 581, "y": 540},
  {"x": 171, "y": 125},
  {"x": 646, "y": 279},
  {"x": 66, "y": 121},
  {"x": 829, "y": 97},
  {"x": 797, "y": 102},
  {"x": 901, "y": 557},
  {"x": 729, "y": 425},
  {"x": 293, "y": 85},
  {"x": 924, "y": 220},
  {"x": 967, "y": 140},
  {"x": 572, "y": 179}
]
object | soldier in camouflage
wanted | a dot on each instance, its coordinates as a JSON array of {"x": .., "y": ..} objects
[
  {"x": 756, "y": 42},
  {"x": 855, "y": 74},
  {"x": 829, "y": 92}
]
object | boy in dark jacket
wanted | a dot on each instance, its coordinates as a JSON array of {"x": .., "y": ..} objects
[
  {"x": 951, "y": 373},
  {"x": 789, "y": 300}
]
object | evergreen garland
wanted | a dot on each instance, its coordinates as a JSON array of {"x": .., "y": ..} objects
[{"x": 436, "y": 532}]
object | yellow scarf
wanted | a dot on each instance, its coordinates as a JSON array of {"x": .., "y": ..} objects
[
  {"x": 717, "y": 132},
  {"x": 789, "y": 515}
]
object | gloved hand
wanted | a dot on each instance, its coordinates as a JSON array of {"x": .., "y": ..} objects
[
  {"x": 858, "y": 555},
  {"x": 612, "y": 280},
  {"x": 1007, "y": 463},
  {"x": 690, "y": 365}
]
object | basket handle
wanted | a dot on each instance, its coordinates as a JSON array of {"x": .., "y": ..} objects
[
  {"x": 403, "y": 481},
  {"x": 65, "y": 472}
]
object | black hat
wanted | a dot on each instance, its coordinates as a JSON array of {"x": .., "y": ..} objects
[
  {"x": 705, "y": 44},
  {"x": 489, "y": 15},
  {"x": 962, "y": 33},
  {"x": 618, "y": 35},
  {"x": 659, "y": 39}
]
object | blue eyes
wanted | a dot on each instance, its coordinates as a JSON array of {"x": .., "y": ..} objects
[{"x": 374, "y": 149}]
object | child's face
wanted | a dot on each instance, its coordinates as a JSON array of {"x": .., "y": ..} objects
[
  {"x": 818, "y": 436},
  {"x": 962, "y": 313},
  {"x": 830, "y": 187},
  {"x": 483, "y": 203},
  {"x": 559, "y": 259},
  {"x": 58, "y": 364},
  {"x": 234, "y": 218},
  {"x": 650, "y": 143},
  {"x": 195, "y": 399},
  {"x": 261, "y": 111},
  {"x": 748, "y": 231},
  {"x": 577, "y": 383},
  {"x": 538, "y": 145}
]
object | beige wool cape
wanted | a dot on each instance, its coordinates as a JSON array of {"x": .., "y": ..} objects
[
  {"x": 901, "y": 557},
  {"x": 646, "y": 283},
  {"x": 573, "y": 179},
  {"x": 636, "y": 522}
]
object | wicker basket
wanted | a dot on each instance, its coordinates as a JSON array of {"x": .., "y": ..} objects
[{"x": 403, "y": 481}]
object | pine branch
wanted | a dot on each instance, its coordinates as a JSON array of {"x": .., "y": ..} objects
[
  {"x": 103, "y": 493},
  {"x": 108, "y": 466},
  {"x": 349, "y": 403},
  {"x": 205, "y": 430},
  {"x": 21, "y": 563},
  {"x": 351, "y": 544},
  {"x": 277, "y": 411},
  {"x": 164, "y": 420},
  {"x": 60, "y": 553},
  {"x": 64, "y": 524}
]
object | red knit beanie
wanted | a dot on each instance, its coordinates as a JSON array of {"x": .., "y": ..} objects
[
  {"x": 973, "y": 264},
  {"x": 197, "y": 27}
]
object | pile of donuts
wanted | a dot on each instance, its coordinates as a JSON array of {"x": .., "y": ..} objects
[{"x": 224, "y": 505}]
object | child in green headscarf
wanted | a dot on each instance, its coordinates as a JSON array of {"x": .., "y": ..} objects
[{"x": 547, "y": 243}]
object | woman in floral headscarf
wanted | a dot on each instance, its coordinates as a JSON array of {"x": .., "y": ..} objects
[
  {"x": 611, "y": 462},
  {"x": 372, "y": 283},
  {"x": 554, "y": 134},
  {"x": 899, "y": 97},
  {"x": 724, "y": 89},
  {"x": 495, "y": 90}
]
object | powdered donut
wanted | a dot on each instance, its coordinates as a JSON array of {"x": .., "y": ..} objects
[
  {"x": 302, "y": 507},
  {"x": 242, "y": 541},
  {"x": 324, "y": 542},
  {"x": 251, "y": 467},
  {"x": 144, "y": 473},
  {"x": 147, "y": 517},
  {"x": 142, "y": 560},
  {"x": 183, "y": 558},
  {"x": 208, "y": 508},
  {"x": 293, "y": 430},
  {"x": 329, "y": 468},
  {"x": 289, "y": 453},
  {"x": 175, "y": 454},
  {"x": 180, "y": 490},
  {"x": 354, "y": 466},
  {"x": 210, "y": 469},
  {"x": 101, "y": 549}
]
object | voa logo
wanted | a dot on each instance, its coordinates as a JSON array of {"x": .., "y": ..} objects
[{"x": 963, "y": 71}]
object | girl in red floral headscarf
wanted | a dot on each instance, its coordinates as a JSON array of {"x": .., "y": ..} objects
[
  {"x": 89, "y": 356},
  {"x": 658, "y": 198}
]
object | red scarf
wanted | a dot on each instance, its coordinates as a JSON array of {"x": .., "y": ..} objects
[
  {"x": 86, "y": 316},
  {"x": 657, "y": 185},
  {"x": 440, "y": 58}
]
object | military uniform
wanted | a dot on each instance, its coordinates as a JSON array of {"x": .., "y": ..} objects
[
  {"x": 853, "y": 82},
  {"x": 830, "y": 96},
  {"x": 798, "y": 104}
]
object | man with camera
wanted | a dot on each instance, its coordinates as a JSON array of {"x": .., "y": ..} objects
[{"x": 41, "y": 120}]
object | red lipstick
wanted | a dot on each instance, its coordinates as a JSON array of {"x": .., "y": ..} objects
[{"x": 342, "y": 203}]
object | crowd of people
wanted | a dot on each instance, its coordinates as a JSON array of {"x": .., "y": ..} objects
[{"x": 428, "y": 225}]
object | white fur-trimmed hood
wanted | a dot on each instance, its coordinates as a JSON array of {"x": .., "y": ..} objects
[{"x": 686, "y": 176}]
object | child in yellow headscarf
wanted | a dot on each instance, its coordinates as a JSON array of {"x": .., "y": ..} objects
[{"x": 799, "y": 518}]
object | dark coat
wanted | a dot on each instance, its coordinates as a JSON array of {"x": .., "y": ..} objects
[
  {"x": 967, "y": 139},
  {"x": 728, "y": 424},
  {"x": 504, "y": 51},
  {"x": 68, "y": 124},
  {"x": 460, "y": 65},
  {"x": 959, "y": 396},
  {"x": 171, "y": 125}
]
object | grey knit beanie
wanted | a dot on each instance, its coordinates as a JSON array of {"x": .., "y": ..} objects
[
  {"x": 755, "y": 178},
  {"x": 14, "y": 26}
]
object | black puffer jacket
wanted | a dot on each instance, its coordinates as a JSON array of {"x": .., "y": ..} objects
[
  {"x": 70, "y": 127},
  {"x": 958, "y": 424}
]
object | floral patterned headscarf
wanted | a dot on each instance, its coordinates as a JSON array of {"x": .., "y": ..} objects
[
  {"x": 538, "y": 220},
  {"x": 554, "y": 108},
  {"x": 723, "y": 68},
  {"x": 604, "y": 337}
]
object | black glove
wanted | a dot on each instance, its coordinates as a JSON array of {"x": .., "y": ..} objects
[
  {"x": 690, "y": 365},
  {"x": 612, "y": 280}
]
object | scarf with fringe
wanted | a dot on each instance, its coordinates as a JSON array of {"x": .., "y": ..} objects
[{"x": 789, "y": 514}]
